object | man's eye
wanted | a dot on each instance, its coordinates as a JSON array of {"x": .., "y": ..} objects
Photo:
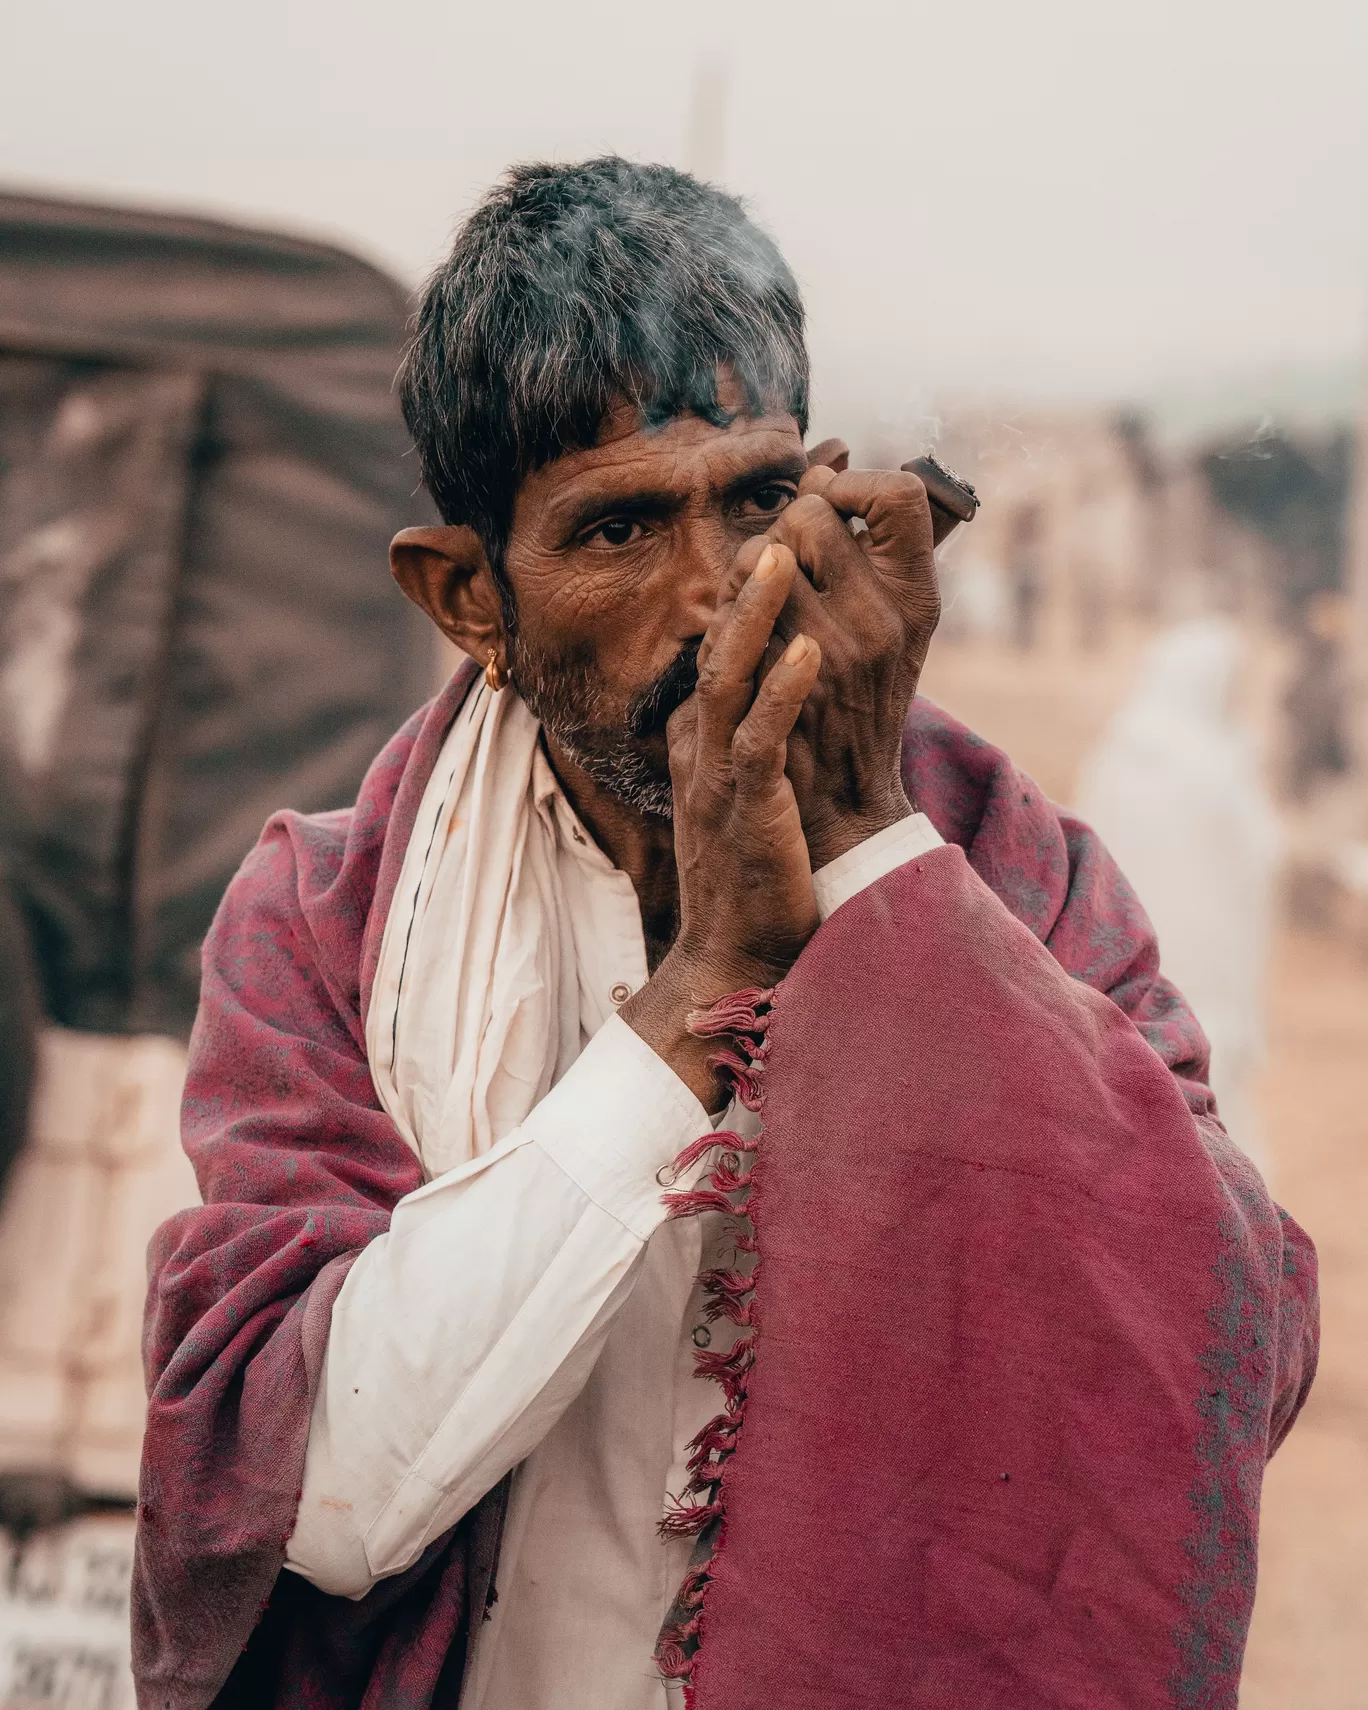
[
  {"x": 769, "y": 501},
  {"x": 617, "y": 531}
]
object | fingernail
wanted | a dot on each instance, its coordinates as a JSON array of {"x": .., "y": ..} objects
[
  {"x": 766, "y": 564},
  {"x": 796, "y": 651}
]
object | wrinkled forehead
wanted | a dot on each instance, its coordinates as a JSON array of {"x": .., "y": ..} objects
[{"x": 674, "y": 462}]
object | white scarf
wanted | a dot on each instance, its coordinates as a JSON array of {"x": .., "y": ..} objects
[{"x": 474, "y": 1013}]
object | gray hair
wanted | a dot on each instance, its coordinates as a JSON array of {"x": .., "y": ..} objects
[{"x": 569, "y": 289}]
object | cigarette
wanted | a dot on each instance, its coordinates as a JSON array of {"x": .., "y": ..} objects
[{"x": 952, "y": 499}]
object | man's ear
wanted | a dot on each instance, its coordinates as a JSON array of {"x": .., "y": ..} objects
[{"x": 445, "y": 571}]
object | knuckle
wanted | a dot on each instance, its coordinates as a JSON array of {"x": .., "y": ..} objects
[
  {"x": 709, "y": 678},
  {"x": 804, "y": 513},
  {"x": 886, "y": 631},
  {"x": 750, "y": 751},
  {"x": 744, "y": 745},
  {"x": 682, "y": 723}
]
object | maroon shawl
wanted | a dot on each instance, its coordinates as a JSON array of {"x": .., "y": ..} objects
[{"x": 1028, "y": 1326}]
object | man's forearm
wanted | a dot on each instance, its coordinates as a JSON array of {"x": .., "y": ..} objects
[{"x": 461, "y": 1335}]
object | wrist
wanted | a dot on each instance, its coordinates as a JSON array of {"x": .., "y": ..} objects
[
  {"x": 832, "y": 834},
  {"x": 686, "y": 982}
]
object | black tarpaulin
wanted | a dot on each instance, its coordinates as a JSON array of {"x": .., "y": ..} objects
[{"x": 202, "y": 462}]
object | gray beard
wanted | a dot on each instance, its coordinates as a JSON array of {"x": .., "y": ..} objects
[
  {"x": 567, "y": 698},
  {"x": 623, "y": 773}
]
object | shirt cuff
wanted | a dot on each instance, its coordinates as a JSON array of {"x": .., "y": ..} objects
[
  {"x": 615, "y": 1121},
  {"x": 850, "y": 873}
]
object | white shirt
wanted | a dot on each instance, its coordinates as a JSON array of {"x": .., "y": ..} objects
[{"x": 533, "y": 1309}]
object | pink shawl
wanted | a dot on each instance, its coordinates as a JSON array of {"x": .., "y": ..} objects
[{"x": 1028, "y": 1327}]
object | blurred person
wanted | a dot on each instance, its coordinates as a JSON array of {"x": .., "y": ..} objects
[
  {"x": 1175, "y": 788},
  {"x": 479, "y": 1377},
  {"x": 1316, "y": 697},
  {"x": 1099, "y": 541},
  {"x": 1024, "y": 576}
]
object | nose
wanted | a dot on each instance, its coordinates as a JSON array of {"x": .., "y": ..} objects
[{"x": 705, "y": 550}]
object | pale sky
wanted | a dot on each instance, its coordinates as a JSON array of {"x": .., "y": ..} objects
[{"x": 1019, "y": 202}]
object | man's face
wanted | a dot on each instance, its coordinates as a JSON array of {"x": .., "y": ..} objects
[{"x": 616, "y": 557}]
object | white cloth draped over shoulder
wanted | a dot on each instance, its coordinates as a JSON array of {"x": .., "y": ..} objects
[{"x": 474, "y": 1013}]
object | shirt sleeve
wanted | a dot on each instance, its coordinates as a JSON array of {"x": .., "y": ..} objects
[
  {"x": 850, "y": 873},
  {"x": 462, "y": 1334}
]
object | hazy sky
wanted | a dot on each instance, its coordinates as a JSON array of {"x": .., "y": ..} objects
[{"x": 1069, "y": 197}]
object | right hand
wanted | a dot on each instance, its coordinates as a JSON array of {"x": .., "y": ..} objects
[{"x": 746, "y": 901}]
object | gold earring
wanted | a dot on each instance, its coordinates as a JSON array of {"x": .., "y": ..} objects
[{"x": 494, "y": 674}]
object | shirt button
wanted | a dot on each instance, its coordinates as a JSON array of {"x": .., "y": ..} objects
[
  {"x": 702, "y": 1336},
  {"x": 620, "y": 992}
]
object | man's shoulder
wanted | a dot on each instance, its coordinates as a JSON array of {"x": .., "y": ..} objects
[
  {"x": 301, "y": 859},
  {"x": 1030, "y": 852},
  {"x": 961, "y": 780},
  {"x": 315, "y": 877}
]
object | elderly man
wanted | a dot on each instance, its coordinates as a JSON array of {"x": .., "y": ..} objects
[{"x": 494, "y": 1372}]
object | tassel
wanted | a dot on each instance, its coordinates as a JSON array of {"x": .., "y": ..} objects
[
  {"x": 737, "y": 1075},
  {"x": 742, "y": 1019},
  {"x": 728, "y": 1176},
  {"x": 727, "y": 1285},
  {"x": 687, "y": 1519},
  {"x": 735, "y": 1013},
  {"x": 704, "y": 1144},
  {"x": 729, "y": 1370},
  {"x": 717, "y": 1437},
  {"x": 696, "y": 1201},
  {"x": 672, "y": 1659}
]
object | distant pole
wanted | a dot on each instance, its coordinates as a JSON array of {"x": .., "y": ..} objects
[
  {"x": 1356, "y": 582},
  {"x": 705, "y": 136}
]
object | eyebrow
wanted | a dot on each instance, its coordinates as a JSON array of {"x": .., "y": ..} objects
[
  {"x": 791, "y": 467},
  {"x": 646, "y": 501}
]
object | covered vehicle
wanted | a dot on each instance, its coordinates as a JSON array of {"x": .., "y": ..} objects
[{"x": 202, "y": 461}]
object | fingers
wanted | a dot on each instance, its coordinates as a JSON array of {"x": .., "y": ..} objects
[
  {"x": 747, "y": 557},
  {"x": 900, "y": 539},
  {"x": 892, "y": 503},
  {"x": 819, "y": 539},
  {"x": 759, "y": 748},
  {"x": 817, "y": 479},
  {"x": 735, "y": 644},
  {"x": 681, "y": 733}
]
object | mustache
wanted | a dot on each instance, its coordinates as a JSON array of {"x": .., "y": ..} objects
[{"x": 649, "y": 709}]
